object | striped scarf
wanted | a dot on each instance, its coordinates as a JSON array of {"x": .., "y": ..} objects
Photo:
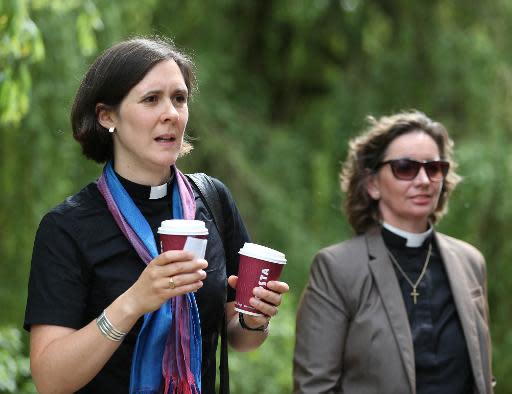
[{"x": 167, "y": 356}]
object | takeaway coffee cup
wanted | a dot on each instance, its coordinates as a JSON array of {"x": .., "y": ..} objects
[
  {"x": 258, "y": 265},
  {"x": 181, "y": 234}
]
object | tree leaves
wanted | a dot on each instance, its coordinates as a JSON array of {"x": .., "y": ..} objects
[{"x": 283, "y": 86}]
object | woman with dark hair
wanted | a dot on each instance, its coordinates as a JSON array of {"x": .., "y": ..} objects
[
  {"x": 107, "y": 311},
  {"x": 399, "y": 308}
]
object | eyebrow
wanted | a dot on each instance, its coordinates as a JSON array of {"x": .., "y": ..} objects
[{"x": 160, "y": 91}]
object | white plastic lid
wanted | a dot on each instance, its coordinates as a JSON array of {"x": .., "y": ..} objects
[
  {"x": 183, "y": 227},
  {"x": 263, "y": 253}
]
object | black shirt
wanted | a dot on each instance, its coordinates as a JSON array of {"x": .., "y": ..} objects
[
  {"x": 440, "y": 351},
  {"x": 82, "y": 262}
]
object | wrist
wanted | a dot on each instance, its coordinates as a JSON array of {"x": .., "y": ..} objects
[
  {"x": 129, "y": 306},
  {"x": 124, "y": 311},
  {"x": 262, "y": 327}
]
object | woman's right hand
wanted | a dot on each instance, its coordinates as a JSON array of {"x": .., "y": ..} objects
[{"x": 154, "y": 286}]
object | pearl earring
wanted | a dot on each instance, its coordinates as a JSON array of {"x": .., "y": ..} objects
[{"x": 111, "y": 129}]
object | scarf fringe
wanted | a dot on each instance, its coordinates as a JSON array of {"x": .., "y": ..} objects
[
  {"x": 185, "y": 388},
  {"x": 182, "y": 387}
]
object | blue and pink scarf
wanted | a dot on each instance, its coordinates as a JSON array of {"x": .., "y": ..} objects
[{"x": 167, "y": 357}]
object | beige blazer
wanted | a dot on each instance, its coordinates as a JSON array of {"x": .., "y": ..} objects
[{"x": 353, "y": 334}]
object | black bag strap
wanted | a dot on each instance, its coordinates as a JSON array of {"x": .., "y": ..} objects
[{"x": 210, "y": 195}]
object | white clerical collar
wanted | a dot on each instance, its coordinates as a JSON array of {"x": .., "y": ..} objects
[
  {"x": 158, "y": 192},
  {"x": 414, "y": 240}
]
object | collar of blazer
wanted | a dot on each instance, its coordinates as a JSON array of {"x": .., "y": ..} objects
[{"x": 385, "y": 278}]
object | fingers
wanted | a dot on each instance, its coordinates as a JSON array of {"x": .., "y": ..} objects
[
  {"x": 172, "y": 256},
  {"x": 176, "y": 272},
  {"x": 273, "y": 293},
  {"x": 184, "y": 289},
  {"x": 278, "y": 287},
  {"x": 175, "y": 262},
  {"x": 154, "y": 286},
  {"x": 182, "y": 283},
  {"x": 264, "y": 307},
  {"x": 181, "y": 277},
  {"x": 268, "y": 300},
  {"x": 180, "y": 268},
  {"x": 232, "y": 281}
]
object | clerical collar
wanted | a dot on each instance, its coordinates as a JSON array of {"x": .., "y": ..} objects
[
  {"x": 413, "y": 240},
  {"x": 144, "y": 192},
  {"x": 158, "y": 192}
]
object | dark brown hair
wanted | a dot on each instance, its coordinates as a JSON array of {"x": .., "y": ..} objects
[
  {"x": 368, "y": 149},
  {"x": 109, "y": 79}
]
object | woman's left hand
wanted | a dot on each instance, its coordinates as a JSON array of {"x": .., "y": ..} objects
[{"x": 266, "y": 301}]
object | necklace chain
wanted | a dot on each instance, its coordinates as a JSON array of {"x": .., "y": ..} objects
[{"x": 414, "y": 293}]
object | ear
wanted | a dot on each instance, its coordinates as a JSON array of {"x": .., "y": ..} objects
[
  {"x": 105, "y": 115},
  {"x": 372, "y": 186}
]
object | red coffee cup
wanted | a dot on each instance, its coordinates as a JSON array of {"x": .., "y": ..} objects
[
  {"x": 258, "y": 265},
  {"x": 182, "y": 234}
]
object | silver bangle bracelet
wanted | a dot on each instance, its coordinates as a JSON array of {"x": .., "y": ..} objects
[{"x": 107, "y": 329}]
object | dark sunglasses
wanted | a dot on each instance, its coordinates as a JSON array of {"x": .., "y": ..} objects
[{"x": 407, "y": 169}]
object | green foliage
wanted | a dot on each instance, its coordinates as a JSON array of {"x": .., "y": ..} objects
[
  {"x": 266, "y": 370},
  {"x": 14, "y": 368},
  {"x": 87, "y": 22},
  {"x": 20, "y": 46},
  {"x": 283, "y": 86}
]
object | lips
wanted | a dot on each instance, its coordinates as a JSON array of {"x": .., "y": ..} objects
[
  {"x": 165, "y": 138},
  {"x": 421, "y": 198}
]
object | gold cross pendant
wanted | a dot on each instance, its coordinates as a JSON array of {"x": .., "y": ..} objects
[{"x": 414, "y": 295}]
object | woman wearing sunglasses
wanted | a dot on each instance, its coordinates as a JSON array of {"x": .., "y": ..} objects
[{"x": 399, "y": 308}]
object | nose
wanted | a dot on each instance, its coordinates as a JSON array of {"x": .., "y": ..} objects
[
  {"x": 422, "y": 177},
  {"x": 170, "y": 113}
]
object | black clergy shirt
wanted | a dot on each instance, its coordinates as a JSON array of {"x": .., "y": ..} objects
[
  {"x": 82, "y": 262},
  {"x": 440, "y": 351}
]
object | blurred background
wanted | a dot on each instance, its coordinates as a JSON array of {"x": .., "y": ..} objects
[{"x": 283, "y": 85}]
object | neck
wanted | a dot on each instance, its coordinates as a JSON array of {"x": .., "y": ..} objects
[
  {"x": 146, "y": 178},
  {"x": 411, "y": 226}
]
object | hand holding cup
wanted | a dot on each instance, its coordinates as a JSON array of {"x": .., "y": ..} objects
[
  {"x": 265, "y": 302},
  {"x": 258, "y": 291},
  {"x": 178, "y": 270},
  {"x": 152, "y": 288}
]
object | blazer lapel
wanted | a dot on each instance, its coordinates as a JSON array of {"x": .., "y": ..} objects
[
  {"x": 389, "y": 289},
  {"x": 463, "y": 302}
]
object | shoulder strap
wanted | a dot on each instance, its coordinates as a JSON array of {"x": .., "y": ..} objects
[{"x": 211, "y": 197}]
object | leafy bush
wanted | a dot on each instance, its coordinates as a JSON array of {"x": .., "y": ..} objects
[
  {"x": 269, "y": 368},
  {"x": 14, "y": 365}
]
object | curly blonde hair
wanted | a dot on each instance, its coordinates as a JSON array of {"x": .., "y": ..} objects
[{"x": 368, "y": 149}]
